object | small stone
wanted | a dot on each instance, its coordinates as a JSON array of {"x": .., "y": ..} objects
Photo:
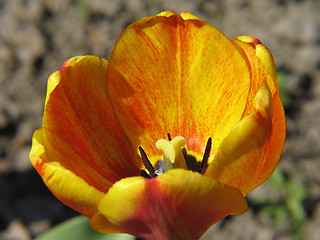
[
  {"x": 21, "y": 160},
  {"x": 107, "y": 7},
  {"x": 16, "y": 231},
  {"x": 134, "y": 6}
]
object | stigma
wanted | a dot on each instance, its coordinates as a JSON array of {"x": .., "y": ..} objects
[
  {"x": 174, "y": 156},
  {"x": 172, "y": 152}
]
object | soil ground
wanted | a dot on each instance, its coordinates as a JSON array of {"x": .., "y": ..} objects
[{"x": 37, "y": 36}]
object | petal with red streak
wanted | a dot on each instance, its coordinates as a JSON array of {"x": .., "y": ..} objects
[
  {"x": 80, "y": 130},
  {"x": 262, "y": 67},
  {"x": 64, "y": 184},
  {"x": 177, "y": 74},
  {"x": 243, "y": 160},
  {"x": 251, "y": 47},
  {"x": 264, "y": 55},
  {"x": 178, "y": 204}
]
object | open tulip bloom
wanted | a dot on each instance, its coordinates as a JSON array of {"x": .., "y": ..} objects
[{"x": 169, "y": 136}]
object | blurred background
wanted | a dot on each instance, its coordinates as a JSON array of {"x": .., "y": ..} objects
[{"x": 37, "y": 36}]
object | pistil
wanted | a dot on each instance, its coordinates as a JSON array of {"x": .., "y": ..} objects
[{"x": 172, "y": 154}]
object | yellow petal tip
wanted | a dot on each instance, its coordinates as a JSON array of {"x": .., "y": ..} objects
[
  {"x": 166, "y": 14},
  {"x": 188, "y": 16}
]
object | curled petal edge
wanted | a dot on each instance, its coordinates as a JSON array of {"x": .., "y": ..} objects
[
  {"x": 64, "y": 184},
  {"x": 263, "y": 53},
  {"x": 241, "y": 160}
]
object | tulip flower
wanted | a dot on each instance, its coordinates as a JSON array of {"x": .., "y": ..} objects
[{"x": 169, "y": 136}]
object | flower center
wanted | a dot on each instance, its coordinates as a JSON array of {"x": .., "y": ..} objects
[{"x": 174, "y": 156}]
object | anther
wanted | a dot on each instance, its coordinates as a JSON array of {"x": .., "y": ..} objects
[
  {"x": 184, "y": 153},
  {"x": 146, "y": 161},
  {"x": 204, "y": 163},
  {"x": 169, "y": 137}
]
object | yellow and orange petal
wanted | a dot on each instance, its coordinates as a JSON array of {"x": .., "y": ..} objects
[
  {"x": 260, "y": 167},
  {"x": 263, "y": 54},
  {"x": 179, "y": 204},
  {"x": 181, "y": 76},
  {"x": 80, "y": 130},
  {"x": 62, "y": 182},
  {"x": 244, "y": 159},
  {"x": 253, "y": 47}
]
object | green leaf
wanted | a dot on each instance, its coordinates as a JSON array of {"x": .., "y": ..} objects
[{"x": 78, "y": 228}]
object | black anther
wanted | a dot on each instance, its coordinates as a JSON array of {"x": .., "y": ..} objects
[
  {"x": 146, "y": 161},
  {"x": 204, "y": 163}
]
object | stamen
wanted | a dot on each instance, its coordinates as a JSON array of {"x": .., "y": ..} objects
[
  {"x": 191, "y": 161},
  {"x": 204, "y": 163},
  {"x": 169, "y": 137},
  {"x": 146, "y": 161},
  {"x": 184, "y": 153}
]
